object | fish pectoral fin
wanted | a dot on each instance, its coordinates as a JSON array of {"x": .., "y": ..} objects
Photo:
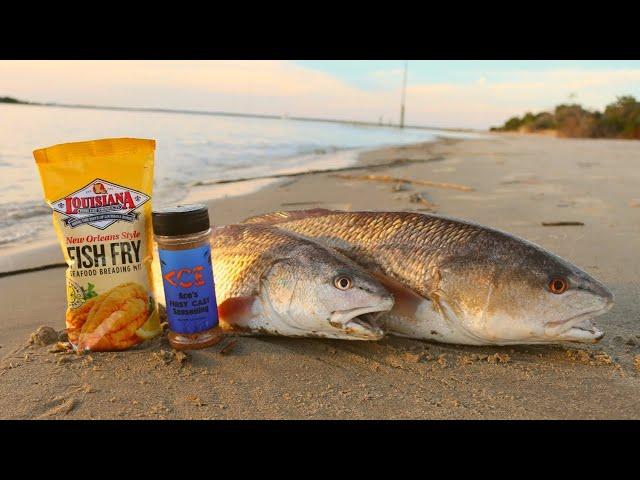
[
  {"x": 406, "y": 301},
  {"x": 236, "y": 312},
  {"x": 285, "y": 216}
]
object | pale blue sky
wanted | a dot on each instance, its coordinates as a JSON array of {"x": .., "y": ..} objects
[
  {"x": 475, "y": 94},
  {"x": 455, "y": 71}
]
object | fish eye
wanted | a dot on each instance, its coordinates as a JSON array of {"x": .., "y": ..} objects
[
  {"x": 558, "y": 285},
  {"x": 342, "y": 282}
]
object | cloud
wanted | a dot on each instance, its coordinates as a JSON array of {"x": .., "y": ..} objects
[
  {"x": 278, "y": 87},
  {"x": 273, "y": 78},
  {"x": 259, "y": 86},
  {"x": 385, "y": 74},
  {"x": 484, "y": 103}
]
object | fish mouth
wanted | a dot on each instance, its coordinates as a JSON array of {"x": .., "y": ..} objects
[
  {"x": 583, "y": 332},
  {"x": 580, "y": 328},
  {"x": 363, "y": 322}
]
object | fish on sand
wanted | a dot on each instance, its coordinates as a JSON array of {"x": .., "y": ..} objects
[
  {"x": 455, "y": 281},
  {"x": 275, "y": 282}
]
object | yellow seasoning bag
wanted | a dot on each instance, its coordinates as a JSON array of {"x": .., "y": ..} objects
[{"x": 100, "y": 193}]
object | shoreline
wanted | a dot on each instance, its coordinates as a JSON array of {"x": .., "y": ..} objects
[
  {"x": 212, "y": 157},
  {"x": 518, "y": 183},
  {"x": 43, "y": 250},
  {"x": 236, "y": 114}
]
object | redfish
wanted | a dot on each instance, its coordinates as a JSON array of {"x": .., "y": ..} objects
[{"x": 454, "y": 281}]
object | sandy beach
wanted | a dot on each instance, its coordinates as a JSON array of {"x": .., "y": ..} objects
[{"x": 518, "y": 183}]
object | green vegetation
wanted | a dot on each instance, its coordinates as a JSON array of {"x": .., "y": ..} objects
[
  {"x": 10, "y": 100},
  {"x": 620, "y": 119}
]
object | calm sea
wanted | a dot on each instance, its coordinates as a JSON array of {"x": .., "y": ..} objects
[{"x": 189, "y": 148}]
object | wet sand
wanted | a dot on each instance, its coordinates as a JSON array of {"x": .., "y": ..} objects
[{"x": 519, "y": 182}]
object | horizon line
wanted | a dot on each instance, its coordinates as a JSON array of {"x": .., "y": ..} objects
[{"x": 235, "y": 114}]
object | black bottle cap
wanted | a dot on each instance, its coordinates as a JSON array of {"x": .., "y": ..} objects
[{"x": 180, "y": 220}]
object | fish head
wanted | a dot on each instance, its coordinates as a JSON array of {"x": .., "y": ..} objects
[
  {"x": 510, "y": 291},
  {"x": 321, "y": 292}
]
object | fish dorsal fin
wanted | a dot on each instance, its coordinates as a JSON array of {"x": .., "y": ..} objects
[{"x": 286, "y": 216}]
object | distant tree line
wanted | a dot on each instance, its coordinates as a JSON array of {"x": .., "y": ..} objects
[
  {"x": 620, "y": 119},
  {"x": 10, "y": 100}
]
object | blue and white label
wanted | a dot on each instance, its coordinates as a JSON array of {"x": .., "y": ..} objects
[{"x": 190, "y": 295}]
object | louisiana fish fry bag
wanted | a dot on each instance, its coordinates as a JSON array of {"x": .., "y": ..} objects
[{"x": 100, "y": 194}]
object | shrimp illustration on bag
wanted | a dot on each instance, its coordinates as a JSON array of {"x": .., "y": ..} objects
[{"x": 100, "y": 194}]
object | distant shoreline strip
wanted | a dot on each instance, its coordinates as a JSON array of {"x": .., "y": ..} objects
[{"x": 241, "y": 115}]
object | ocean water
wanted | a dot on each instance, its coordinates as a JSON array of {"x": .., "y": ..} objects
[{"x": 190, "y": 148}]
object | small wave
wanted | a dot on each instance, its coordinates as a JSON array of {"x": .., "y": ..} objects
[
  {"x": 318, "y": 150},
  {"x": 22, "y": 210},
  {"x": 21, "y": 220},
  {"x": 13, "y": 236}
]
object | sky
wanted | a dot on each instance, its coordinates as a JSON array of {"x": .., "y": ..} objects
[{"x": 451, "y": 94}]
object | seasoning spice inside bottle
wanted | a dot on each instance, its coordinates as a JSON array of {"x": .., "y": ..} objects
[{"x": 182, "y": 234}]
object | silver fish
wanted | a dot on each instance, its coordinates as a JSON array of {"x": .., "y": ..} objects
[
  {"x": 458, "y": 282},
  {"x": 276, "y": 282}
]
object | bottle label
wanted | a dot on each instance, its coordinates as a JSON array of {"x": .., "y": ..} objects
[{"x": 190, "y": 296}]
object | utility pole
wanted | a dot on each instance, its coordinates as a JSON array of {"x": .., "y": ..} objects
[{"x": 404, "y": 92}]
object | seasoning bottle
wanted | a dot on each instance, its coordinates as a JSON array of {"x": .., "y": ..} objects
[{"x": 182, "y": 234}]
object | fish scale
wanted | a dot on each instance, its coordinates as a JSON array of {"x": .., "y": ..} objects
[
  {"x": 242, "y": 255},
  {"x": 277, "y": 282},
  {"x": 379, "y": 236}
]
